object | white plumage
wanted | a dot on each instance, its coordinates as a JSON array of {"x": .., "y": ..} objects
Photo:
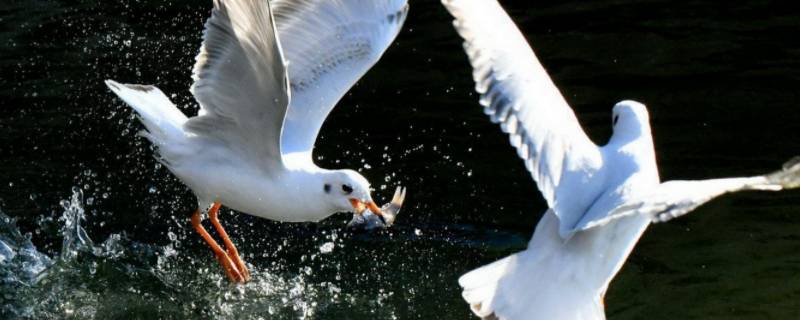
[
  {"x": 266, "y": 79},
  {"x": 329, "y": 45},
  {"x": 264, "y": 96},
  {"x": 601, "y": 198}
]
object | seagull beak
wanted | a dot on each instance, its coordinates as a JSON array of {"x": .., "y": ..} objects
[{"x": 359, "y": 207}]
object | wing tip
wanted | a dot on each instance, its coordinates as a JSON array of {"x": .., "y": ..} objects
[
  {"x": 792, "y": 163},
  {"x": 789, "y": 175},
  {"x": 113, "y": 85},
  {"x": 117, "y": 87},
  {"x": 399, "y": 17}
]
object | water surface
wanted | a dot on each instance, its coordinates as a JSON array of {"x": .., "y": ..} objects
[{"x": 720, "y": 81}]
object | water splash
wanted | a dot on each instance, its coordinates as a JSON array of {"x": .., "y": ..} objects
[
  {"x": 35, "y": 285},
  {"x": 20, "y": 263},
  {"x": 120, "y": 277},
  {"x": 75, "y": 237},
  {"x": 21, "y": 266}
]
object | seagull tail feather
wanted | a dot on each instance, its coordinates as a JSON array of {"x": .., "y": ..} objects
[
  {"x": 163, "y": 120},
  {"x": 480, "y": 286}
]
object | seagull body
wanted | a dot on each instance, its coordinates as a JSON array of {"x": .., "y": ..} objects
[
  {"x": 267, "y": 75},
  {"x": 601, "y": 198}
]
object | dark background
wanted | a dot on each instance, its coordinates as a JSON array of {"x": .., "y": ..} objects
[{"x": 720, "y": 81}]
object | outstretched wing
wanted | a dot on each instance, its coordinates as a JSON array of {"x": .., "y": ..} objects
[
  {"x": 240, "y": 81},
  {"x": 673, "y": 199},
  {"x": 517, "y": 93},
  {"x": 329, "y": 45}
]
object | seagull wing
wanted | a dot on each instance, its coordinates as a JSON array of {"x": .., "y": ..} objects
[
  {"x": 329, "y": 45},
  {"x": 673, "y": 199},
  {"x": 240, "y": 81},
  {"x": 517, "y": 93}
]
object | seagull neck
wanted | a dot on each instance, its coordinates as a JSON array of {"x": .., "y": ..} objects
[
  {"x": 303, "y": 187},
  {"x": 632, "y": 139},
  {"x": 300, "y": 161}
]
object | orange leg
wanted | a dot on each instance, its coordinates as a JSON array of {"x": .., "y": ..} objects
[
  {"x": 223, "y": 258},
  {"x": 232, "y": 252}
]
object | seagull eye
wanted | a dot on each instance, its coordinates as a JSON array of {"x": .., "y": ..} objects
[
  {"x": 616, "y": 118},
  {"x": 327, "y": 188},
  {"x": 347, "y": 189}
]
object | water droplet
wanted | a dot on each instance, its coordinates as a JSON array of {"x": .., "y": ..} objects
[{"x": 326, "y": 248}]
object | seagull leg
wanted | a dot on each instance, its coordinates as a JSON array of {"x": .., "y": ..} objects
[
  {"x": 232, "y": 252},
  {"x": 222, "y": 256}
]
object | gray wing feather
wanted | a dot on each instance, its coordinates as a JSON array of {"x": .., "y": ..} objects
[
  {"x": 329, "y": 45},
  {"x": 673, "y": 199},
  {"x": 241, "y": 82},
  {"x": 517, "y": 93}
]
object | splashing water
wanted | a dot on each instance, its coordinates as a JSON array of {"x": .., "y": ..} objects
[
  {"x": 20, "y": 263},
  {"x": 75, "y": 237},
  {"x": 120, "y": 278},
  {"x": 88, "y": 281}
]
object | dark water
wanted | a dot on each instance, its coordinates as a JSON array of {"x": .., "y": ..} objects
[{"x": 721, "y": 82}]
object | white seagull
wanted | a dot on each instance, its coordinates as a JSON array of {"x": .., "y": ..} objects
[
  {"x": 267, "y": 75},
  {"x": 601, "y": 198}
]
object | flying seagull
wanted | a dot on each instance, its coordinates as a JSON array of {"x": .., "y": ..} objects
[
  {"x": 267, "y": 75},
  {"x": 601, "y": 198}
]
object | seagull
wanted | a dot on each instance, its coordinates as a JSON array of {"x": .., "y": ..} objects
[
  {"x": 267, "y": 75},
  {"x": 601, "y": 198}
]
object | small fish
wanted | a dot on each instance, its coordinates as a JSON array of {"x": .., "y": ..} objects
[{"x": 368, "y": 220}]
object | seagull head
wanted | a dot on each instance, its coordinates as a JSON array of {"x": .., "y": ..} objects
[
  {"x": 349, "y": 191},
  {"x": 630, "y": 120}
]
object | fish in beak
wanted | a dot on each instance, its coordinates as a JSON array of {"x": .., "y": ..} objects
[
  {"x": 377, "y": 219},
  {"x": 359, "y": 207}
]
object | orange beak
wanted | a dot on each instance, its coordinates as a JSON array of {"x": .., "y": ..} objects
[{"x": 360, "y": 206}]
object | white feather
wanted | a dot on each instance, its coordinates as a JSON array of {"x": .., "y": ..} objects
[
  {"x": 231, "y": 151},
  {"x": 241, "y": 82},
  {"x": 517, "y": 92},
  {"x": 163, "y": 120},
  {"x": 329, "y": 45},
  {"x": 673, "y": 199},
  {"x": 601, "y": 199}
]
